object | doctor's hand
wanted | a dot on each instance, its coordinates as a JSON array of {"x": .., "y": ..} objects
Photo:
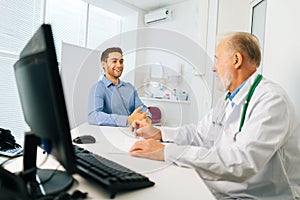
[
  {"x": 149, "y": 148},
  {"x": 145, "y": 130},
  {"x": 137, "y": 114},
  {"x": 148, "y": 120}
]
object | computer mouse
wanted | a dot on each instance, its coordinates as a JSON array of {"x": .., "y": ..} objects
[{"x": 84, "y": 139}]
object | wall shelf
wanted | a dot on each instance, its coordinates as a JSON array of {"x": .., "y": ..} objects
[{"x": 164, "y": 100}]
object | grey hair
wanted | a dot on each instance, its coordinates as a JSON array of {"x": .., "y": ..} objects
[{"x": 245, "y": 43}]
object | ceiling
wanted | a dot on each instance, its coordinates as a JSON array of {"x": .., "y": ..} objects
[{"x": 148, "y": 5}]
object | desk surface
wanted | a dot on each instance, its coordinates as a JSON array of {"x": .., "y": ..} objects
[{"x": 171, "y": 182}]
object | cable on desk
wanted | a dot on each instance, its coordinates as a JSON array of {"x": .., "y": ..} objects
[{"x": 51, "y": 175}]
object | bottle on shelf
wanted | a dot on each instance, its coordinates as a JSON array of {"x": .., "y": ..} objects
[{"x": 173, "y": 95}]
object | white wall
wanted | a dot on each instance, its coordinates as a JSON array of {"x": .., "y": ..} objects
[
  {"x": 233, "y": 15},
  {"x": 281, "y": 48},
  {"x": 81, "y": 67},
  {"x": 181, "y": 41},
  {"x": 131, "y": 19},
  {"x": 281, "y": 58},
  {"x": 80, "y": 70},
  {"x": 189, "y": 20}
]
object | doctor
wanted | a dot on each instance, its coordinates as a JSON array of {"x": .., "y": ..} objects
[{"x": 247, "y": 146}]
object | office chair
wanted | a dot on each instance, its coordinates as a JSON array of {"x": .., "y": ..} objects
[{"x": 156, "y": 114}]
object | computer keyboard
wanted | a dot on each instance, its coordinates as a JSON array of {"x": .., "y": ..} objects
[{"x": 112, "y": 176}]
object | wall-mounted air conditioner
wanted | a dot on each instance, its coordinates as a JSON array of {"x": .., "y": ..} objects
[{"x": 157, "y": 15}]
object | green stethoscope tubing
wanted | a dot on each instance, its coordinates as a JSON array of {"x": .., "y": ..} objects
[{"x": 247, "y": 100}]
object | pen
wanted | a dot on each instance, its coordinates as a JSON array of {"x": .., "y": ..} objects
[{"x": 134, "y": 131}]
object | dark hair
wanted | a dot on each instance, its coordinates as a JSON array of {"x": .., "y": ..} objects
[
  {"x": 105, "y": 53},
  {"x": 247, "y": 44}
]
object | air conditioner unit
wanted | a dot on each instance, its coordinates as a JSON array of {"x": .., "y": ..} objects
[{"x": 157, "y": 16}]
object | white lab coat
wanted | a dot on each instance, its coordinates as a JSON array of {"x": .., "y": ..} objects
[{"x": 263, "y": 162}]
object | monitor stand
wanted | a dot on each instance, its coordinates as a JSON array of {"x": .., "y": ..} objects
[{"x": 41, "y": 182}]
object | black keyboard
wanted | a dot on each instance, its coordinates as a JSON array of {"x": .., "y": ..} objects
[{"x": 112, "y": 176}]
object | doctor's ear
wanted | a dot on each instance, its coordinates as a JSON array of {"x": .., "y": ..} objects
[{"x": 237, "y": 60}]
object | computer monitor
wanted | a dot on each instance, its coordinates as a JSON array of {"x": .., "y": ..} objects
[{"x": 44, "y": 109}]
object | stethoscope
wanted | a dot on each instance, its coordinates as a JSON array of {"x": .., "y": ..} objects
[{"x": 247, "y": 100}]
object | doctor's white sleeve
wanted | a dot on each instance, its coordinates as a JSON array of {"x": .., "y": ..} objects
[{"x": 189, "y": 134}]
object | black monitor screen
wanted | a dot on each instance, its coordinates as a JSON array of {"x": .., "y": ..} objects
[{"x": 43, "y": 104}]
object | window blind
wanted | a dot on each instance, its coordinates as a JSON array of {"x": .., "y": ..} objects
[
  {"x": 19, "y": 20},
  {"x": 68, "y": 19}
]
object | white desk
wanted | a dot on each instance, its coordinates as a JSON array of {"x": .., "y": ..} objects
[{"x": 171, "y": 182}]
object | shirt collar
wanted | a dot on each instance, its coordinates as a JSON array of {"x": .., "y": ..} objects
[
  {"x": 108, "y": 82},
  {"x": 232, "y": 95},
  {"x": 241, "y": 91}
]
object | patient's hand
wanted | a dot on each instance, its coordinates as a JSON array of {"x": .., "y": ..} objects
[
  {"x": 148, "y": 120},
  {"x": 137, "y": 114}
]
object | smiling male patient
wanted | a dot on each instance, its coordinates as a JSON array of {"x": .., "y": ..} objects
[{"x": 113, "y": 102}]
